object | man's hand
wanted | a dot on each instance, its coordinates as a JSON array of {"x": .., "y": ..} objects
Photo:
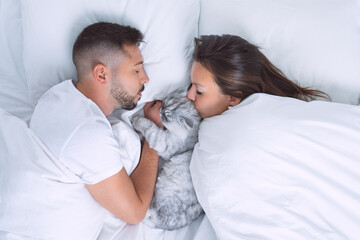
[{"x": 152, "y": 112}]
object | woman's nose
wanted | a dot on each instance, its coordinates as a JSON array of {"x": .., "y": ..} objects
[{"x": 191, "y": 94}]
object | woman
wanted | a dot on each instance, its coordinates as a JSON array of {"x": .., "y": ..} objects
[
  {"x": 228, "y": 69},
  {"x": 270, "y": 163}
]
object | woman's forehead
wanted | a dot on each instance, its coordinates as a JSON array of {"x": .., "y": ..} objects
[
  {"x": 200, "y": 73},
  {"x": 202, "y": 78}
]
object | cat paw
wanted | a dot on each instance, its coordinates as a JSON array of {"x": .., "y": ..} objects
[
  {"x": 141, "y": 124},
  {"x": 138, "y": 123},
  {"x": 134, "y": 120}
]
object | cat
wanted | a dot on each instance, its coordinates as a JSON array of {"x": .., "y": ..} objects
[{"x": 174, "y": 204}]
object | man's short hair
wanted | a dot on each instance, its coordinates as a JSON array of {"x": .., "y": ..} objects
[{"x": 100, "y": 40}]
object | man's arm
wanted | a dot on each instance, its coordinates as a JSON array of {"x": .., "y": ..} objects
[{"x": 126, "y": 197}]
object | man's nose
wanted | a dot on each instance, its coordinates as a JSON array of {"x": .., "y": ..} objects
[{"x": 144, "y": 78}]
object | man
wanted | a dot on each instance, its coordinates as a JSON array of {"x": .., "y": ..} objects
[{"x": 70, "y": 119}]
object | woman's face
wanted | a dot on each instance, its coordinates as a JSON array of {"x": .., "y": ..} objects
[{"x": 205, "y": 93}]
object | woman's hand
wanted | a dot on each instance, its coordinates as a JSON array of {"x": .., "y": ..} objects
[{"x": 152, "y": 112}]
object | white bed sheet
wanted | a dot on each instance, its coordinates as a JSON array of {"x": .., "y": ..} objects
[{"x": 200, "y": 229}]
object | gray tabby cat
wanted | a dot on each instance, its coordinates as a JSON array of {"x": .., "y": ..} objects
[{"x": 174, "y": 204}]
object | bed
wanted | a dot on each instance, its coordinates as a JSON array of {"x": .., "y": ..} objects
[{"x": 315, "y": 43}]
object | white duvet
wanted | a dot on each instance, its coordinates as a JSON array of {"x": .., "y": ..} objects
[{"x": 280, "y": 168}]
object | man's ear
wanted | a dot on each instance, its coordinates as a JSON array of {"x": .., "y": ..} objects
[
  {"x": 101, "y": 73},
  {"x": 233, "y": 101}
]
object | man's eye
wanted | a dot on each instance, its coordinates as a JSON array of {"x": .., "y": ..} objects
[
  {"x": 189, "y": 87},
  {"x": 136, "y": 71},
  {"x": 199, "y": 93}
]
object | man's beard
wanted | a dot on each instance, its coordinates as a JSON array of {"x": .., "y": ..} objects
[{"x": 122, "y": 97}]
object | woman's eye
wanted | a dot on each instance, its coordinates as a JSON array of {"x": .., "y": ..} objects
[
  {"x": 197, "y": 91},
  {"x": 189, "y": 87}
]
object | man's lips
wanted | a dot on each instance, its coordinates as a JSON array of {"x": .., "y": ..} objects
[{"x": 141, "y": 90}]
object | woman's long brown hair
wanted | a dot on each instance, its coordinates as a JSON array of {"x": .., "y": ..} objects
[{"x": 240, "y": 69}]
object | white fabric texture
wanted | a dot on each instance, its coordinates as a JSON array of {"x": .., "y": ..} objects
[
  {"x": 280, "y": 168},
  {"x": 50, "y": 29},
  {"x": 129, "y": 145},
  {"x": 200, "y": 229},
  {"x": 39, "y": 197},
  {"x": 77, "y": 132},
  {"x": 13, "y": 87},
  {"x": 314, "y": 42}
]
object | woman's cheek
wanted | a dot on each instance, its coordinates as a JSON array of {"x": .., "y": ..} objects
[
  {"x": 196, "y": 104},
  {"x": 199, "y": 108}
]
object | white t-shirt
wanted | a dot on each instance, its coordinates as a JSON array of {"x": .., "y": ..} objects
[{"x": 77, "y": 132}]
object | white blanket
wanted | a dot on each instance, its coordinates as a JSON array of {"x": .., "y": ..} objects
[{"x": 280, "y": 168}]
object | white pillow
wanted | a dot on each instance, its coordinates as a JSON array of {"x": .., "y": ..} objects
[
  {"x": 13, "y": 89},
  {"x": 51, "y": 27},
  {"x": 315, "y": 43}
]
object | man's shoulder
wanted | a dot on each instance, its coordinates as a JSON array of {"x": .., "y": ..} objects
[
  {"x": 59, "y": 115},
  {"x": 58, "y": 88},
  {"x": 63, "y": 103},
  {"x": 54, "y": 97}
]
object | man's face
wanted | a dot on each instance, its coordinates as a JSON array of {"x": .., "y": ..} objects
[{"x": 128, "y": 79}]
